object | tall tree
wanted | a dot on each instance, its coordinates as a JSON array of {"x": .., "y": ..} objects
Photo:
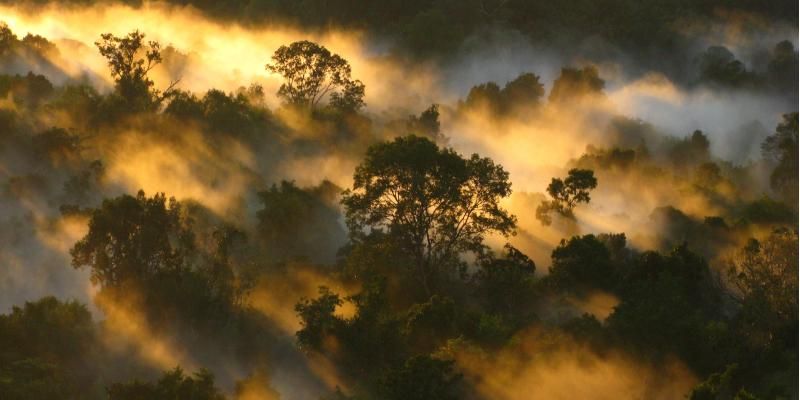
[
  {"x": 781, "y": 148},
  {"x": 566, "y": 194},
  {"x": 130, "y": 60},
  {"x": 133, "y": 238},
  {"x": 311, "y": 73},
  {"x": 764, "y": 277},
  {"x": 435, "y": 203}
]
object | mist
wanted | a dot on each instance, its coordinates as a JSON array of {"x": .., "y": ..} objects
[{"x": 213, "y": 222}]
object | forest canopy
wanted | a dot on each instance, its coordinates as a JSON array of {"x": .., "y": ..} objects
[{"x": 398, "y": 200}]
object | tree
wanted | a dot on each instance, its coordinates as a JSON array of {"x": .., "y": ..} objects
[
  {"x": 764, "y": 277},
  {"x": 435, "y": 203},
  {"x": 317, "y": 319},
  {"x": 46, "y": 350},
  {"x": 781, "y": 148},
  {"x": 566, "y": 194},
  {"x": 172, "y": 385},
  {"x": 300, "y": 222},
  {"x": 719, "y": 66},
  {"x": 132, "y": 239},
  {"x": 427, "y": 124},
  {"x": 130, "y": 60},
  {"x": 487, "y": 95},
  {"x": 7, "y": 39},
  {"x": 506, "y": 283},
  {"x": 722, "y": 385},
  {"x": 526, "y": 89},
  {"x": 311, "y": 73},
  {"x": 782, "y": 68},
  {"x": 582, "y": 263},
  {"x": 422, "y": 378},
  {"x": 575, "y": 83}
]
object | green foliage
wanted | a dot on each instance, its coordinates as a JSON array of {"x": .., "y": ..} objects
[
  {"x": 768, "y": 211},
  {"x": 312, "y": 72},
  {"x": 667, "y": 301},
  {"x": 172, "y": 385},
  {"x": 566, "y": 194},
  {"x": 300, "y": 223},
  {"x": 782, "y": 148},
  {"x": 722, "y": 386},
  {"x": 45, "y": 350},
  {"x": 317, "y": 318},
  {"x": 33, "y": 379},
  {"x": 133, "y": 239},
  {"x": 431, "y": 322},
  {"x": 435, "y": 203},
  {"x": 422, "y": 378},
  {"x": 506, "y": 284},
  {"x": 583, "y": 263}
]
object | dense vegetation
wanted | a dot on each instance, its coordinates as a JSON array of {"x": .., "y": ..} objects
[{"x": 409, "y": 272}]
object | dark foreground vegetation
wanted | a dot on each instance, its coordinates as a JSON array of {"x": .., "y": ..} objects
[{"x": 415, "y": 280}]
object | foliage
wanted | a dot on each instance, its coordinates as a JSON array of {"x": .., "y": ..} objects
[
  {"x": 718, "y": 66},
  {"x": 172, "y": 385},
  {"x": 566, "y": 194},
  {"x": 427, "y": 124},
  {"x": 524, "y": 92},
  {"x": 45, "y": 350},
  {"x": 317, "y": 318},
  {"x": 782, "y": 148},
  {"x": 130, "y": 60},
  {"x": 422, "y": 378},
  {"x": 506, "y": 283},
  {"x": 435, "y": 203},
  {"x": 311, "y": 73},
  {"x": 576, "y": 83},
  {"x": 581, "y": 263},
  {"x": 764, "y": 278},
  {"x": 300, "y": 223},
  {"x": 133, "y": 239}
]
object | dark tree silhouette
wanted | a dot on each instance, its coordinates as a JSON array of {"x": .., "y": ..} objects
[
  {"x": 130, "y": 60},
  {"x": 132, "y": 239},
  {"x": 311, "y": 73},
  {"x": 566, "y": 194},
  {"x": 575, "y": 83},
  {"x": 782, "y": 148},
  {"x": 172, "y": 385},
  {"x": 435, "y": 203}
]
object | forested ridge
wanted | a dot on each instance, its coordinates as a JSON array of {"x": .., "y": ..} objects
[{"x": 348, "y": 217}]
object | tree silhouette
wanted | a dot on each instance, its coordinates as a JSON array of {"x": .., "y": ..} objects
[
  {"x": 566, "y": 194},
  {"x": 130, "y": 60},
  {"x": 132, "y": 239},
  {"x": 311, "y": 73},
  {"x": 435, "y": 203},
  {"x": 781, "y": 148},
  {"x": 575, "y": 83}
]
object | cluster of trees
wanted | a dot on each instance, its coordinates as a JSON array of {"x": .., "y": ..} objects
[
  {"x": 418, "y": 216},
  {"x": 718, "y": 66}
]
